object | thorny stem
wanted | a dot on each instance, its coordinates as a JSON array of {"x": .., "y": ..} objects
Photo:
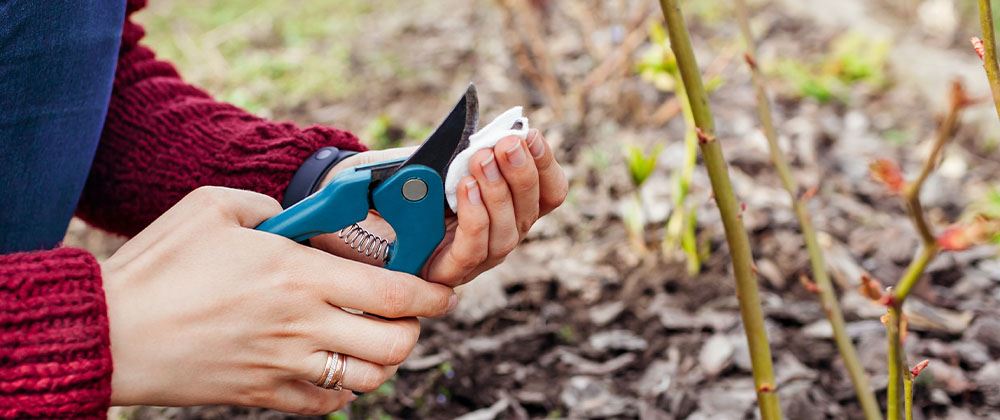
[
  {"x": 990, "y": 51},
  {"x": 739, "y": 244},
  {"x": 900, "y": 378},
  {"x": 827, "y": 294}
]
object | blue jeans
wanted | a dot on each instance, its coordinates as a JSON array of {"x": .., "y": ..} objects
[{"x": 57, "y": 65}]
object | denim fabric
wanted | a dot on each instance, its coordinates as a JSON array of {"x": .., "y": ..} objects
[{"x": 57, "y": 64}]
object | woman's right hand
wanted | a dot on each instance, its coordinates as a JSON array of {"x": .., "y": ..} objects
[{"x": 205, "y": 310}]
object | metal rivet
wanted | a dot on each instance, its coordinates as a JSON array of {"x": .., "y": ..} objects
[{"x": 414, "y": 189}]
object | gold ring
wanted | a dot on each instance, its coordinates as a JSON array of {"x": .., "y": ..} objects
[
  {"x": 326, "y": 370},
  {"x": 337, "y": 375}
]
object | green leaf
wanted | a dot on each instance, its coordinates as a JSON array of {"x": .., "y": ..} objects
[{"x": 640, "y": 164}]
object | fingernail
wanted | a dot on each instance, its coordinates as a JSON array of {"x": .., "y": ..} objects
[
  {"x": 515, "y": 155},
  {"x": 490, "y": 169},
  {"x": 534, "y": 145},
  {"x": 352, "y": 398},
  {"x": 452, "y": 302},
  {"x": 473, "y": 190}
]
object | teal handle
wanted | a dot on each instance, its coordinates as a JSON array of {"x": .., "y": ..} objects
[
  {"x": 342, "y": 202},
  {"x": 419, "y": 224}
]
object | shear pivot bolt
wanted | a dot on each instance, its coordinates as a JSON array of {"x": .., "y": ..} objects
[{"x": 414, "y": 189}]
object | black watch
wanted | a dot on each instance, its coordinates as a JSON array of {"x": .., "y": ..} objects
[{"x": 308, "y": 177}]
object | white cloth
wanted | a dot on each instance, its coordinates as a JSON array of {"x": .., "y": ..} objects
[{"x": 507, "y": 124}]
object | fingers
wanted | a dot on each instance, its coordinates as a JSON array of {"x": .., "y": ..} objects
[
  {"x": 301, "y": 397},
  {"x": 359, "y": 375},
  {"x": 374, "y": 290},
  {"x": 365, "y": 158},
  {"x": 469, "y": 245},
  {"x": 551, "y": 179},
  {"x": 248, "y": 208},
  {"x": 381, "y": 341},
  {"x": 522, "y": 179},
  {"x": 499, "y": 203}
]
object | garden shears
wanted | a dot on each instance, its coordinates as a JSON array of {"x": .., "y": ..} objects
[{"x": 407, "y": 192}]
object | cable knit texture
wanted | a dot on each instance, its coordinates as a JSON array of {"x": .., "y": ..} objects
[
  {"x": 162, "y": 139},
  {"x": 55, "y": 357}
]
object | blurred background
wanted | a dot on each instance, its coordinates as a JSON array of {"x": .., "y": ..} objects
[{"x": 610, "y": 309}]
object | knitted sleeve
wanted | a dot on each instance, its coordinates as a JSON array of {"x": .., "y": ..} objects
[
  {"x": 163, "y": 138},
  {"x": 55, "y": 355}
]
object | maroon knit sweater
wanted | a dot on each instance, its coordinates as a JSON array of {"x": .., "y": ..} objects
[{"x": 162, "y": 139}]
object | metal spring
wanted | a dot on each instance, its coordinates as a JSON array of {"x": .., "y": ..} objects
[{"x": 365, "y": 242}]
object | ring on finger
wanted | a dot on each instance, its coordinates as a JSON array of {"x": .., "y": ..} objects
[{"x": 333, "y": 372}]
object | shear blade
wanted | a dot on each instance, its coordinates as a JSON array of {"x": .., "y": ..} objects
[{"x": 450, "y": 137}]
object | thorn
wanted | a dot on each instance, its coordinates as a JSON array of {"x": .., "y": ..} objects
[
  {"x": 919, "y": 367},
  {"x": 809, "y": 193},
  {"x": 753, "y": 267},
  {"x": 765, "y": 388},
  {"x": 703, "y": 137},
  {"x": 885, "y": 319},
  {"x": 870, "y": 288},
  {"x": 808, "y": 284},
  {"x": 887, "y": 300},
  {"x": 751, "y": 61},
  {"x": 977, "y": 44}
]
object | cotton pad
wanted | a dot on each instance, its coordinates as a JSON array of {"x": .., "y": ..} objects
[{"x": 511, "y": 123}]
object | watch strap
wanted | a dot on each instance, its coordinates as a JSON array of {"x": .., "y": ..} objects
[{"x": 308, "y": 177}]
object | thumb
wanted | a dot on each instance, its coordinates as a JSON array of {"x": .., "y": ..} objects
[
  {"x": 246, "y": 208},
  {"x": 371, "y": 156}
]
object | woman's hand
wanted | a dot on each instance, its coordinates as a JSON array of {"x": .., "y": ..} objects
[
  {"x": 205, "y": 310},
  {"x": 510, "y": 187}
]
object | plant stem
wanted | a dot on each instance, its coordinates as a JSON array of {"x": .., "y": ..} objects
[
  {"x": 827, "y": 294},
  {"x": 681, "y": 225},
  {"x": 739, "y": 243},
  {"x": 990, "y": 51},
  {"x": 914, "y": 271},
  {"x": 899, "y": 373},
  {"x": 908, "y": 396},
  {"x": 895, "y": 364}
]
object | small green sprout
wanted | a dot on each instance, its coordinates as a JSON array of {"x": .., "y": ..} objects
[
  {"x": 852, "y": 59},
  {"x": 641, "y": 164}
]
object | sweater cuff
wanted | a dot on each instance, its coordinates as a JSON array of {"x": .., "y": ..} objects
[{"x": 55, "y": 352}]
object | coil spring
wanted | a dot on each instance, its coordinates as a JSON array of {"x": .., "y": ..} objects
[{"x": 365, "y": 242}]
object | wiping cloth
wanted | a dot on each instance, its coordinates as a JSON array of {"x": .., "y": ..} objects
[{"x": 511, "y": 123}]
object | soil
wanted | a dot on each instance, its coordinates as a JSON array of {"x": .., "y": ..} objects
[{"x": 578, "y": 324}]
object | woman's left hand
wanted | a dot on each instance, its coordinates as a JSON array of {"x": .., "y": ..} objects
[{"x": 510, "y": 187}]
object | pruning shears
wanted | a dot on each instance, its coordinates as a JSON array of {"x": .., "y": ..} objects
[{"x": 407, "y": 192}]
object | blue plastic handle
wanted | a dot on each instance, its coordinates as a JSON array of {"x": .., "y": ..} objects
[
  {"x": 419, "y": 224},
  {"x": 342, "y": 202}
]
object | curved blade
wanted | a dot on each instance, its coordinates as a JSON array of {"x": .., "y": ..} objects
[{"x": 451, "y": 136}]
